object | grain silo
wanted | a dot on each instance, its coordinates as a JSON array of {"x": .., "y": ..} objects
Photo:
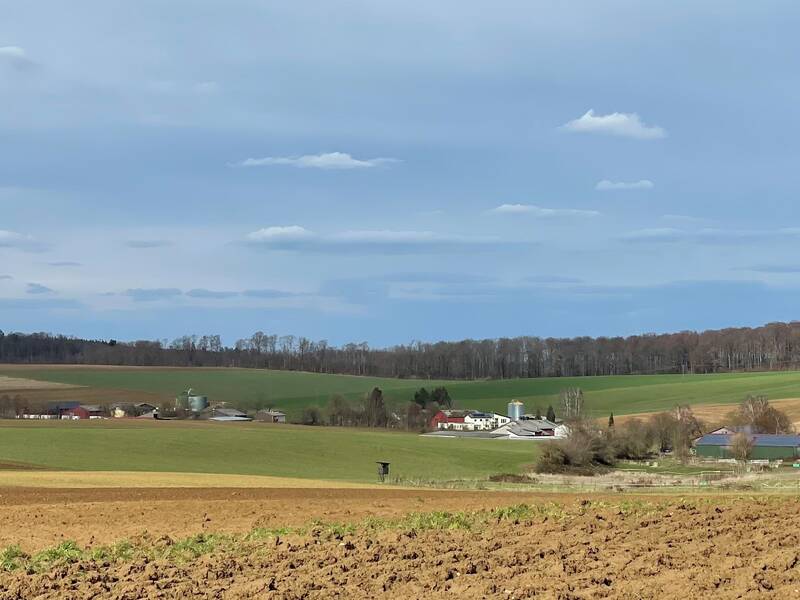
[
  {"x": 515, "y": 410},
  {"x": 198, "y": 403}
]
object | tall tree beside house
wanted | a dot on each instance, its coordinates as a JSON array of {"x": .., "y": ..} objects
[
  {"x": 537, "y": 412},
  {"x": 551, "y": 414},
  {"x": 311, "y": 416},
  {"x": 741, "y": 447},
  {"x": 339, "y": 412},
  {"x": 416, "y": 418},
  {"x": 441, "y": 396},
  {"x": 756, "y": 413},
  {"x": 375, "y": 414},
  {"x": 422, "y": 397}
]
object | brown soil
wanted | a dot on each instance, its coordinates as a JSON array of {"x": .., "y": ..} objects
[
  {"x": 744, "y": 548},
  {"x": 37, "y": 518},
  {"x": 84, "y": 395},
  {"x": 18, "y": 384}
]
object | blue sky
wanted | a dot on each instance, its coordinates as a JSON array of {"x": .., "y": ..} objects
[{"x": 397, "y": 171}]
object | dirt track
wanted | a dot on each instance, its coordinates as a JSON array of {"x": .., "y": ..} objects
[{"x": 680, "y": 549}]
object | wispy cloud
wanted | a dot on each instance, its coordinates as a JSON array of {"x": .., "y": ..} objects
[
  {"x": 436, "y": 278},
  {"x": 327, "y": 161},
  {"x": 37, "y": 288},
  {"x": 210, "y": 294},
  {"x": 777, "y": 269},
  {"x": 5, "y": 277},
  {"x": 383, "y": 241},
  {"x": 267, "y": 293},
  {"x": 618, "y": 124},
  {"x": 709, "y": 235},
  {"x": 550, "y": 279},
  {"x": 151, "y": 294},
  {"x": 540, "y": 212},
  {"x": 65, "y": 263},
  {"x": 147, "y": 243},
  {"x": 16, "y": 57},
  {"x": 642, "y": 184},
  {"x": 19, "y": 241}
]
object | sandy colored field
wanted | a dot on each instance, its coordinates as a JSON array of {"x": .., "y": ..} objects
[
  {"x": 737, "y": 548},
  {"x": 17, "y": 476},
  {"x": 18, "y": 384},
  {"x": 715, "y": 414},
  {"x": 42, "y": 517}
]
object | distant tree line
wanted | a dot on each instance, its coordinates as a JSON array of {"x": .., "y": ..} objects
[{"x": 771, "y": 347}]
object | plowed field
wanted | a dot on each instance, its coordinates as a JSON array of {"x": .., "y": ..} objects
[{"x": 558, "y": 547}]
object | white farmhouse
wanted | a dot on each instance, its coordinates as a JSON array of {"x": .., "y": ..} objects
[{"x": 480, "y": 421}]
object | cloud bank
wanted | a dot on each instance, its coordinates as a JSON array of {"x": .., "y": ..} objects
[
  {"x": 540, "y": 212},
  {"x": 16, "y": 57},
  {"x": 327, "y": 161},
  {"x": 383, "y": 241},
  {"x": 618, "y": 124},
  {"x": 19, "y": 241},
  {"x": 642, "y": 184}
]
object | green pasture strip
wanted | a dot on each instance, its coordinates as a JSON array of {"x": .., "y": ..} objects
[{"x": 255, "y": 449}]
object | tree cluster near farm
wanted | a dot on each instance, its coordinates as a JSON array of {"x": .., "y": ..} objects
[{"x": 772, "y": 347}]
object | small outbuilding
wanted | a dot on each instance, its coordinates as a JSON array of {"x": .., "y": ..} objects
[
  {"x": 765, "y": 446},
  {"x": 271, "y": 416}
]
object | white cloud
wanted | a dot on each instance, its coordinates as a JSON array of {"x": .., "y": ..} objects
[
  {"x": 382, "y": 241},
  {"x": 328, "y": 161},
  {"x": 540, "y": 212},
  {"x": 26, "y": 243},
  {"x": 280, "y": 234},
  {"x": 15, "y": 56},
  {"x": 65, "y": 263},
  {"x": 619, "y": 124},
  {"x": 642, "y": 184}
]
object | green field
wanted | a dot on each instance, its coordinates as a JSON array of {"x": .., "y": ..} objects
[
  {"x": 292, "y": 391},
  {"x": 254, "y": 449}
]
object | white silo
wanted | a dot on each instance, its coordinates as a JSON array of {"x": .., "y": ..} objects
[{"x": 515, "y": 410}]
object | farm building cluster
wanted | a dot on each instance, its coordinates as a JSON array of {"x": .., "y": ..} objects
[
  {"x": 515, "y": 425},
  {"x": 187, "y": 406}
]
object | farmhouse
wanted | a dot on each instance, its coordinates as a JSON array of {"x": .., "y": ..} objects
[
  {"x": 467, "y": 420},
  {"x": 480, "y": 421},
  {"x": 765, "y": 446},
  {"x": 271, "y": 416},
  {"x": 84, "y": 411}
]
